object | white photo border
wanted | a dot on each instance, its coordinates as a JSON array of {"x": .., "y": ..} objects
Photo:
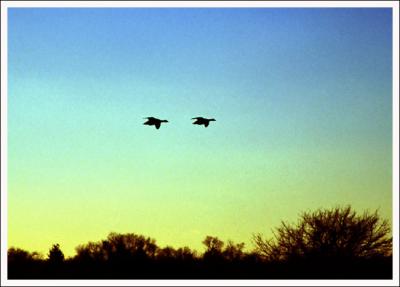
[{"x": 5, "y": 5}]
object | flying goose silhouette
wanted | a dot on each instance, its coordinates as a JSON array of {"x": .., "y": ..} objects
[
  {"x": 202, "y": 121},
  {"x": 151, "y": 121}
]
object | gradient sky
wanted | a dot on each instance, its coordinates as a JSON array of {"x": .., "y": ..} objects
[{"x": 302, "y": 99}]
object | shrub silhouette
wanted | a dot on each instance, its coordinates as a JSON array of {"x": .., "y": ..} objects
[
  {"x": 329, "y": 233},
  {"x": 215, "y": 251},
  {"x": 233, "y": 252},
  {"x": 326, "y": 244},
  {"x": 55, "y": 266},
  {"x": 120, "y": 255},
  {"x": 56, "y": 256},
  {"x": 118, "y": 247},
  {"x": 17, "y": 255},
  {"x": 23, "y": 264},
  {"x": 182, "y": 254},
  {"x": 329, "y": 240},
  {"x": 214, "y": 248}
]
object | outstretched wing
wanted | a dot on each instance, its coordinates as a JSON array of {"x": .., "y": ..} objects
[
  {"x": 158, "y": 124},
  {"x": 150, "y": 118},
  {"x": 206, "y": 123},
  {"x": 197, "y": 118}
]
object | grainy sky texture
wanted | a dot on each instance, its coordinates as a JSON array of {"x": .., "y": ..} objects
[{"x": 302, "y": 99}]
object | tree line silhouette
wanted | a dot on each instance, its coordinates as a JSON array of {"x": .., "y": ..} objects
[{"x": 325, "y": 244}]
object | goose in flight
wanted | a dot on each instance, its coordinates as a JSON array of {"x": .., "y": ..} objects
[
  {"x": 151, "y": 121},
  {"x": 202, "y": 121}
]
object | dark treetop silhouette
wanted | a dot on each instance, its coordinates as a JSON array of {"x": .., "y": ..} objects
[
  {"x": 202, "y": 121},
  {"x": 151, "y": 121},
  {"x": 326, "y": 244}
]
